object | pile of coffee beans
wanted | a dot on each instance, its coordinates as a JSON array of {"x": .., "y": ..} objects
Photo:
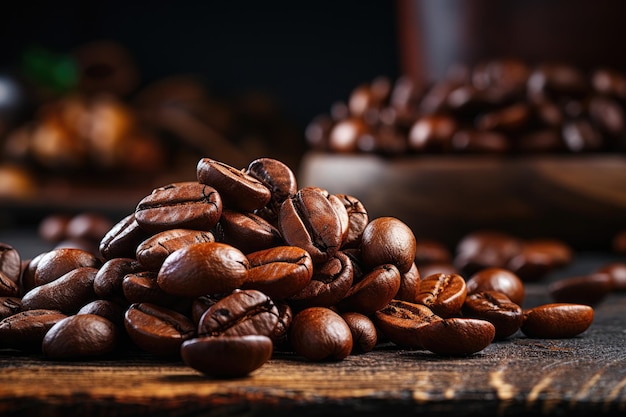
[
  {"x": 499, "y": 106},
  {"x": 223, "y": 271}
]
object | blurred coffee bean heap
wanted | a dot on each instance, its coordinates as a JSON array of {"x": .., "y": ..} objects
[{"x": 499, "y": 106}]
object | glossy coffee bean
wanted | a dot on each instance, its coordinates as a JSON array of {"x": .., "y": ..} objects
[
  {"x": 248, "y": 232},
  {"x": 400, "y": 322},
  {"x": 152, "y": 252},
  {"x": 410, "y": 283},
  {"x": 122, "y": 240},
  {"x": 104, "y": 308},
  {"x": 53, "y": 228},
  {"x": 243, "y": 312},
  {"x": 89, "y": 226},
  {"x": 25, "y": 330},
  {"x": 496, "y": 308},
  {"x": 238, "y": 190},
  {"x": 280, "y": 334},
  {"x": 157, "y": 330},
  {"x": 277, "y": 177},
  {"x": 457, "y": 336},
  {"x": 364, "y": 333},
  {"x": 9, "y": 306},
  {"x": 485, "y": 248},
  {"x": 203, "y": 269},
  {"x": 557, "y": 320},
  {"x": 443, "y": 294},
  {"x": 374, "y": 291},
  {"x": 388, "y": 240},
  {"x": 358, "y": 219},
  {"x": 582, "y": 289},
  {"x": 142, "y": 287},
  {"x": 10, "y": 262},
  {"x": 80, "y": 336},
  {"x": 108, "y": 281},
  {"x": 58, "y": 262},
  {"x": 617, "y": 272},
  {"x": 8, "y": 287},
  {"x": 320, "y": 334},
  {"x": 280, "y": 272},
  {"x": 66, "y": 294},
  {"x": 432, "y": 133},
  {"x": 183, "y": 205},
  {"x": 227, "y": 356},
  {"x": 497, "y": 279},
  {"x": 308, "y": 220}
]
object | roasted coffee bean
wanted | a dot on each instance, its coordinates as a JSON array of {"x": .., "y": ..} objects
[
  {"x": 238, "y": 190},
  {"x": 104, "y": 308},
  {"x": 497, "y": 279},
  {"x": 53, "y": 228},
  {"x": 345, "y": 135},
  {"x": 496, "y": 308},
  {"x": 432, "y": 133},
  {"x": 457, "y": 336},
  {"x": 157, "y": 330},
  {"x": 66, "y": 294},
  {"x": 122, "y": 240},
  {"x": 201, "y": 304},
  {"x": 227, "y": 356},
  {"x": 9, "y": 306},
  {"x": 320, "y": 334},
  {"x": 203, "y": 269},
  {"x": 410, "y": 283},
  {"x": 248, "y": 232},
  {"x": 277, "y": 177},
  {"x": 27, "y": 279},
  {"x": 280, "y": 272},
  {"x": 582, "y": 289},
  {"x": 142, "y": 287},
  {"x": 617, "y": 272},
  {"x": 444, "y": 294},
  {"x": 8, "y": 288},
  {"x": 80, "y": 336},
  {"x": 548, "y": 80},
  {"x": 183, "y": 205},
  {"x": 557, "y": 320},
  {"x": 108, "y": 281},
  {"x": 330, "y": 282},
  {"x": 485, "y": 248},
  {"x": 400, "y": 322},
  {"x": 342, "y": 215},
  {"x": 388, "y": 240},
  {"x": 308, "y": 220},
  {"x": 152, "y": 252},
  {"x": 10, "y": 262},
  {"x": 609, "y": 82},
  {"x": 280, "y": 334},
  {"x": 25, "y": 330},
  {"x": 429, "y": 251},
  {"x": 364, "y": 333},
  {"x": 88, "y": 226},
  {"x": 241, "y": 313},
  {"x": 58, "y": 262},
  {"x": 581, "y": 136},
  {"x": 374, "y": 291},
  {"x": 357, "y": 220}
]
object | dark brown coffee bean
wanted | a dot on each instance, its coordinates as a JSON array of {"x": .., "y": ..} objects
[
  {"x": 157, "y": 330},
  {"x": 9, "y": 306},
  {"x": 142, "y": 287},
  {"x": 25, "y": 330},
  {"x": 280, "y": 272},
  {"x": 443, "y": 294},
  {"x": 557, "y": 320},
  {"x": 280, "y": 334},
  {"x": 8, "y": 288},
  {"x": 485, "y": 248},
  {"x": 66, "y": 294},
  {"x": 10, "y": 262},
  {"x": 496, "y": 308},
  {"x": 201, "y": 304},
  {"x": 364, "y": 333},
  {"x": 388, "y": 240},
  {"x": 243, "y": 312},
  {"x": 152, "y": 252},
  {"x": 104, "y": 308},
  {"x": 498, "y": 279},
  {"x": 400, "y": 322},
  {"x": 227, "y": 356},
  {"x": 238, "y": 190},
  {"x": 122, "y": 240},
  {"x": 203, "y": 269},
  {"x": 108, "y": 281},
  {"x": 581, "y": 136},
  {"x": 89, "y": 226},
  {"x": 357, "y": 220},
  {"x": 53, "y": 228},
  {"x": 27, "y": 279},
  {"x": 457, "y": 336},
  {"x": 320, "y": 334},
  {"x": 277, "y": 177},
  {"x": 583, "y": 289},
  {"x": 374, "y": 291},
  {"x": 345, "y": 135},
  {"x": 432, "y": 133},
  {"x": 58, "y": 262},
  {"x": 308, "y": 220},
  {"x": 410, "y": 282},
  {"x": 429, "y": 251},
  {"x": 183, "y": 205},
  {"x": 617, "y": 272},
  {"x": 248, "y": 232},
  {"x": 80, "y": 336}
]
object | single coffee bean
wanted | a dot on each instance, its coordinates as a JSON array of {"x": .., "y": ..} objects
[
  {"x": 9, "y": 306},
  {"x": 483, "y": 249},
  {"x": 8, "y": 287},
  {"x": 108, "y": 281},
  {"x": 444, "y": 294},
  {"x": 241, "y": 313},
  {"x": 58, "y": 262},
  {"x": 277, "y": 177},
  {"x": 497, "y": 279},
  {"x": 142, "y": 287},
  {"x": 401, "y": 321},
  {"x": 410, "y": 283},
  {"x": 53, "y": 228},
  {"x": 374, "y": 291},
  {"x": 280, "y": 272},
  {"x": 617, "y": 272},
  {"x": 200, "y": 305},
  {"x": 432, "y": 133},
  {"x": 496, "y": 308},
  {"x": 157, "y": 330},
  {"x": 537, "y": 258},
  {"x": 104, "y": 308},
  {"x": 582, "y": 289},
  {"x": 25, "y": 330},
  {"x": 89, "y": 226},
  {"x": 557, "y": 320},
  {"x": 457, "y": 336},
  {"x": 308, "y": 220},
  {"x": 248, "y": 232},
  {"x": 27, "y": 279},
  {"x": 320, "y": 334},
  {"x": 152, "y": 252},
  {"x": 183, "y": 205},
  {"x": 364, "y": 333},
  {"x": 358, "y": 219},
  {"x": 80, "y": 336},
  {"x": 10, "y": 262},
  {"x": 345, "y": 135},
  {"x": 388, "y": 240},
  {"x": 238, "y": 190},
  {"x": 122, "y": 240},
  {"x": 66, "y": 294},
  {"x": 203, "y": 269},
  {"x": 227, "y": 356}
]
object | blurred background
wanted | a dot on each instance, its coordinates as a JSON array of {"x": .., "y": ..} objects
[{"x": 102, "y": 101}]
